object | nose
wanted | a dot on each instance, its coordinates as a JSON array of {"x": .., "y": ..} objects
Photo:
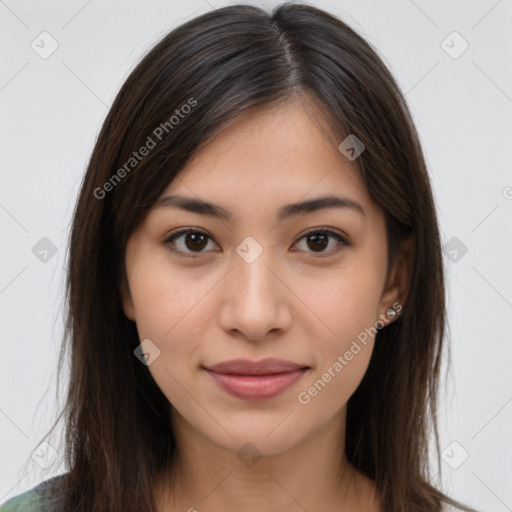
[{"x": 255, "y": 299}]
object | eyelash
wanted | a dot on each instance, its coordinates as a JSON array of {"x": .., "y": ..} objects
[{"x": 325, "y": 231}]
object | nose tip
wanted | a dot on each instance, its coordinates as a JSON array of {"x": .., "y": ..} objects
[{"x": 254, "y": 301}]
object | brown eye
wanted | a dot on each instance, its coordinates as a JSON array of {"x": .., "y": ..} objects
[
  {"x": 195, "y": 241},
  {"x": 318, "y": 240},
  {"x": 191, "y": 241}
]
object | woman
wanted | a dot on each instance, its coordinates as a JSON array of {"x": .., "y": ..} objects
[{"x": 255, "y": 287}]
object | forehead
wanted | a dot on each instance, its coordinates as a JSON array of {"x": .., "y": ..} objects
[{"x": 270, "y": 157}]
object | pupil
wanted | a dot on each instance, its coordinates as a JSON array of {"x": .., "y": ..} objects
[
  {"x": 323, "y": 244},
  {"x": 195, "y": 237}
]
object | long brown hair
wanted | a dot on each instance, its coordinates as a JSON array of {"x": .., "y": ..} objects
[{"x": 222, "y": 64}]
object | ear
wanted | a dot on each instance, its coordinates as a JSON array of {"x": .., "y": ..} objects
[
  {"x": 126, "y": 299},
  {"x": 396, "y": 289}
]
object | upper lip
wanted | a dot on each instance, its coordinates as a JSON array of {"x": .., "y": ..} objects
[{"x": 247, "y": 367}]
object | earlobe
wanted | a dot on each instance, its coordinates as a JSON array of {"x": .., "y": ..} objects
[{"x": 396, "y": 291}]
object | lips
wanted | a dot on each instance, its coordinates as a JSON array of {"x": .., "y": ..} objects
[
  {"x": 256, "y": 380},
  {"x": 248, "y": 367}
]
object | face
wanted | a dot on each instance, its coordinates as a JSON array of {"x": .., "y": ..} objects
[{"x": 308, "y": 288}]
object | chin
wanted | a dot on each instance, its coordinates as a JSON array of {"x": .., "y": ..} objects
[{"x": 267, "y": 438}]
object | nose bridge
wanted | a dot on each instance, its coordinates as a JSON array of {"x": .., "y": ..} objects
[
  {"x": 254, "y": 279},
  {"x": 254, "y": 303}
]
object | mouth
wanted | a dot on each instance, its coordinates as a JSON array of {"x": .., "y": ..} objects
[{"x": 256, "y": 380}]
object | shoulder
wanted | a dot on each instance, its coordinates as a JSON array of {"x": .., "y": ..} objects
[{"x": 44, "y": 497}]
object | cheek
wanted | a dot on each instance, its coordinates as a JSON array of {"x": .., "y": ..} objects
[
  {"x": 170, "y": 309},
  {"x": 344, "y": 349},
  {"x": 341, "y": 305},
  {"x": 166, "y": 300},
  {"x": 342, "y": 323},
  {"x": 330, "y": 388}
]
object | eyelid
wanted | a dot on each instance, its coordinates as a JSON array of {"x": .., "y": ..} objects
[{"x": 341, "y": 238}]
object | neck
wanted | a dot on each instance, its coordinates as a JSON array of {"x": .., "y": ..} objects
[{"x": 205, "y": 476}]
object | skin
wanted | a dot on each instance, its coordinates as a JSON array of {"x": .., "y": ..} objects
[{"x": 295, "y": 301}]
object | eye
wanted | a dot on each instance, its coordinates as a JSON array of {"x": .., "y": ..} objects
[
  {"x": 195, "y": 241},
  {"x": 318, "y": 239}
]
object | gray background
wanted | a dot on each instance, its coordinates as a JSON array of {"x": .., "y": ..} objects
[{"x": 52, "y": 109}]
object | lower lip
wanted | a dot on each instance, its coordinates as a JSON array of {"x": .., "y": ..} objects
[{"x": 257, "y": 387}]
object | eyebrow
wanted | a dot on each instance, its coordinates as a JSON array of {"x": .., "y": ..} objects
[{"x": 286, "y": 211}]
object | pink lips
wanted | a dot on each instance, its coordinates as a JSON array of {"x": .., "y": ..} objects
[{"x": 256, "y": 380}]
